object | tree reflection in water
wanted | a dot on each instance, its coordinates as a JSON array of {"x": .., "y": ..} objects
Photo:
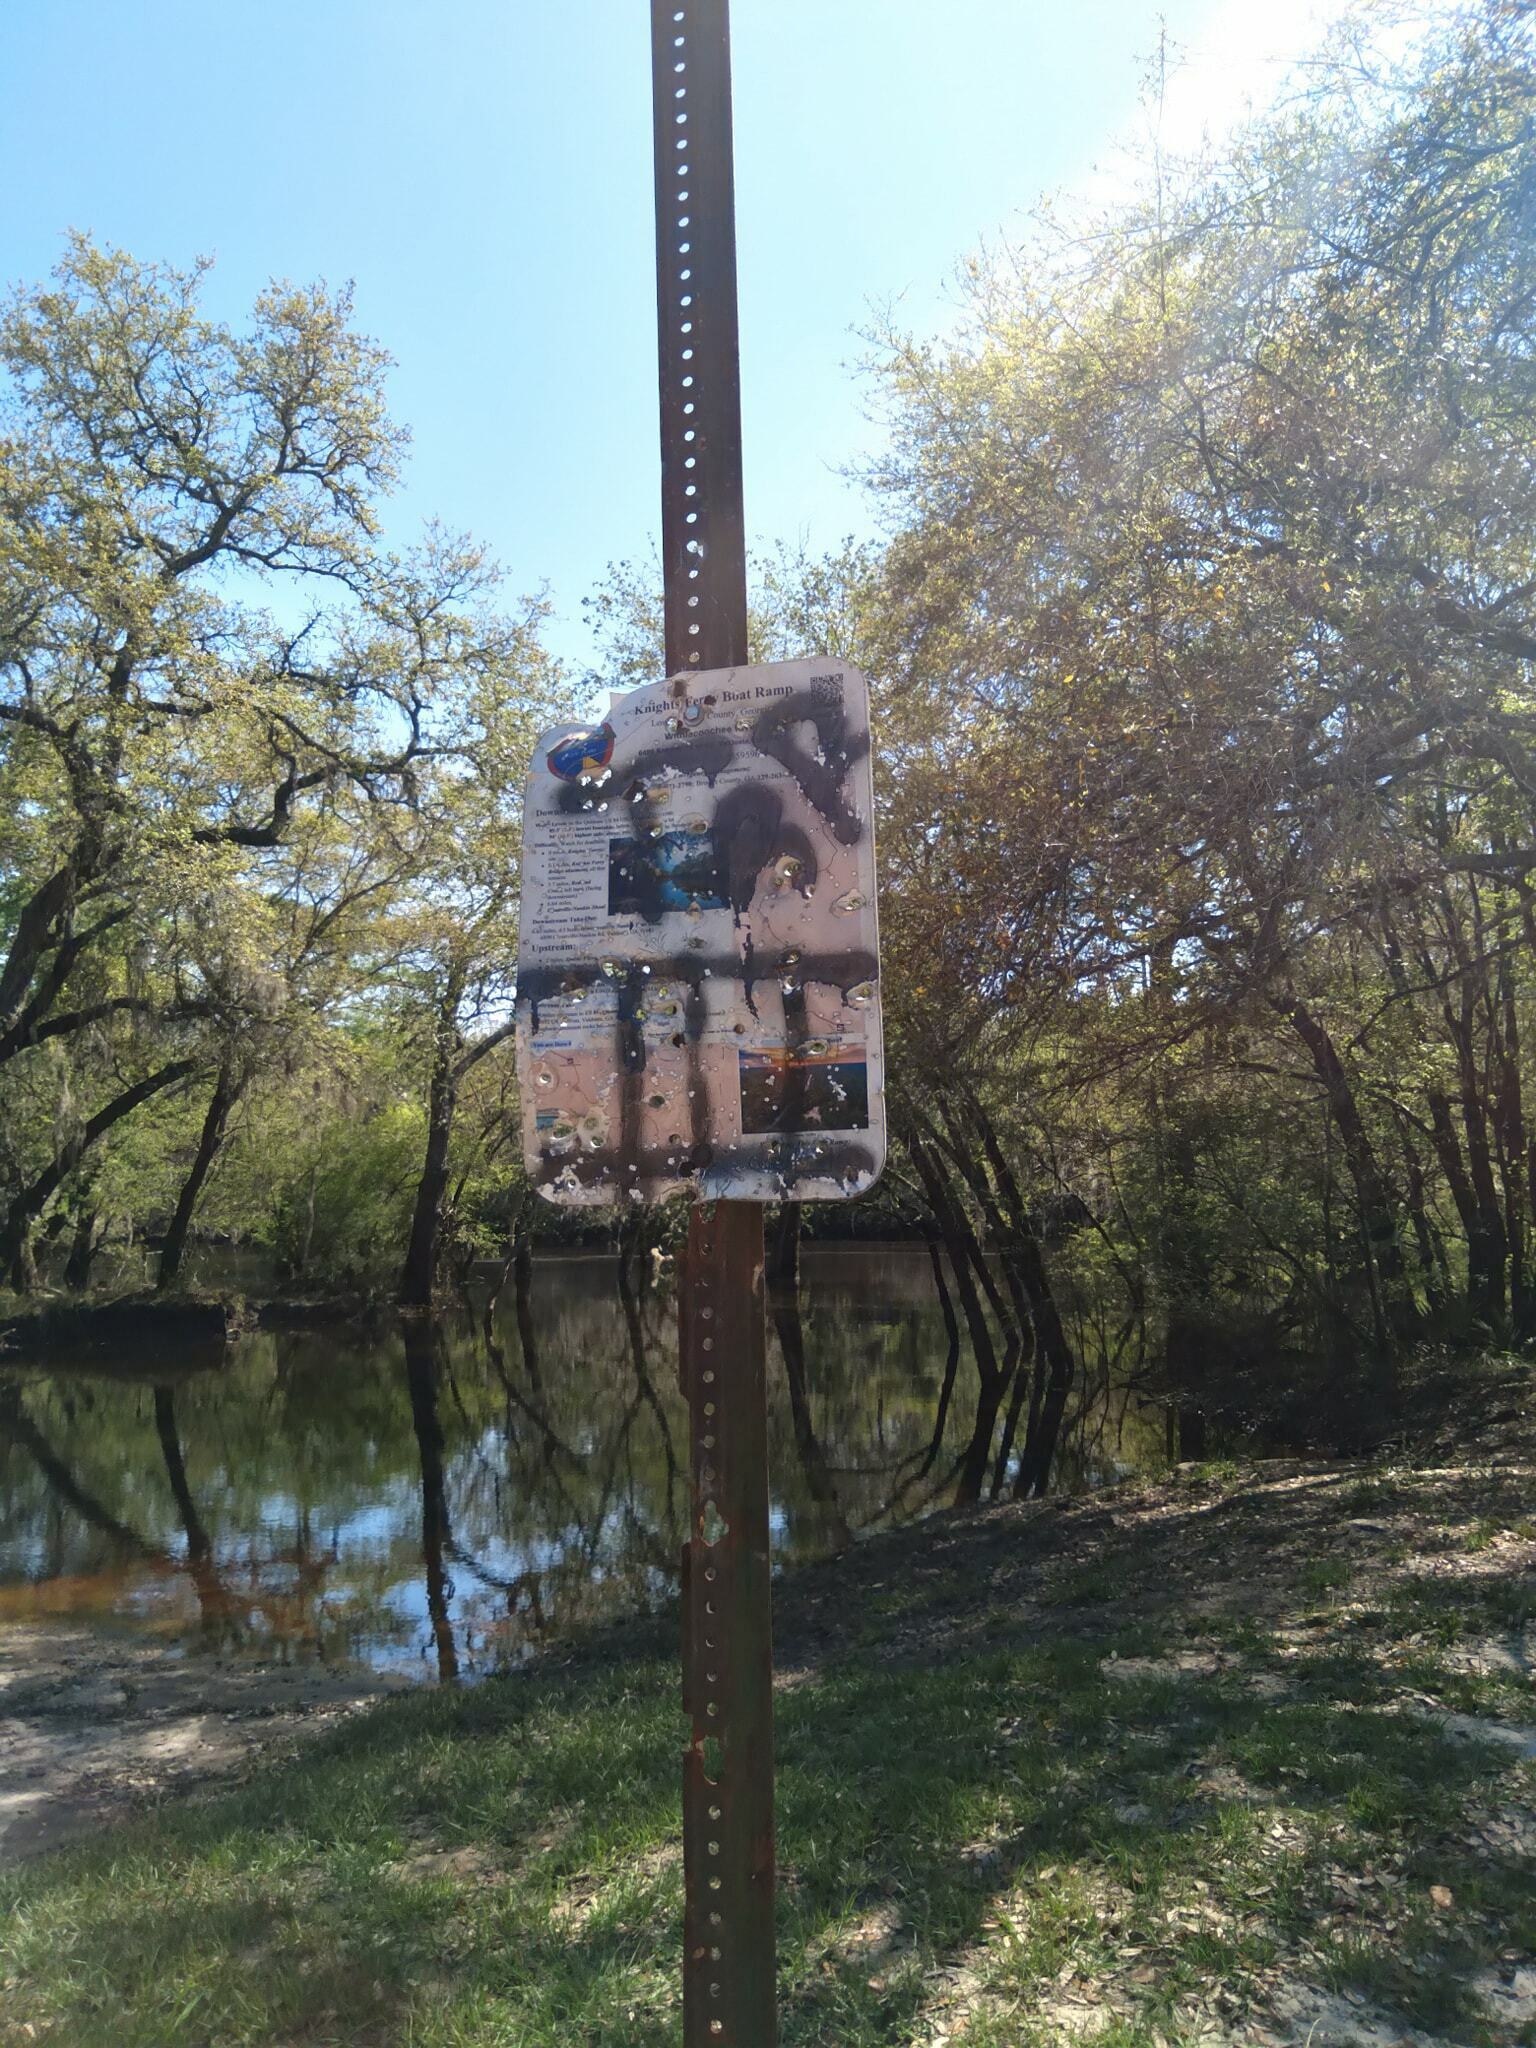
[
  {"x": 443, "y": 1494},
  {"x": 422, "y": 1336}
]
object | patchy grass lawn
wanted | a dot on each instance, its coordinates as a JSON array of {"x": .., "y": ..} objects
[{"x": 1246, "y": 1757}]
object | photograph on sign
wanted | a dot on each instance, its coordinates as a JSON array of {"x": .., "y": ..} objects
[{"x": 698, "y": 982}]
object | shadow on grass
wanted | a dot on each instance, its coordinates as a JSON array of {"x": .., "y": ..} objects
[{"x": 500, "y": 1866}]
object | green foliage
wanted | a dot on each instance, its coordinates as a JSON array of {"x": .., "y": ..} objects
[
  {"x": 1205, "y": 644},
  {"x": 225, "y": 844},
  {"x": 339, "y": 1214}
]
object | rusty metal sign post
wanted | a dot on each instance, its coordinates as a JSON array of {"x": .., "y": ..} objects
[
  {"x": 699, "y": 1005},
  {"x": 729, "y": 1995}
]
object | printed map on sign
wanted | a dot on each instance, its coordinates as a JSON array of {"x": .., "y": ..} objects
[{"x": 698, "y": 980}]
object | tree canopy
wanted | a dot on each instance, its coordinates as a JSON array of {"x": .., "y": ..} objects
[{"x": 256, "y": 769}]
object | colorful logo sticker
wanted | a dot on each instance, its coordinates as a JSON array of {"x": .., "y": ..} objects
[{"x": 584, "y": 752}]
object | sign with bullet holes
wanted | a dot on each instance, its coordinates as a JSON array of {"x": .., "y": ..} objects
[{"x": 698, "y": 983}]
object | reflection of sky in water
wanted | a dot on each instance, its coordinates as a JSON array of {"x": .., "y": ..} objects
[{"x": 312, "y": 1469}]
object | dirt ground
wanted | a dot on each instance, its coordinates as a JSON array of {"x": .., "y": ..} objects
[{"x": 94, "y": 1724}]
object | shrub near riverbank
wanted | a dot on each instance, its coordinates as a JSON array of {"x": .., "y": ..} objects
[{"x": 1246, "y": 1756}]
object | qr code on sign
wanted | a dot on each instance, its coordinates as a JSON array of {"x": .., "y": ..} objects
[{"x": 828, "y": 689}]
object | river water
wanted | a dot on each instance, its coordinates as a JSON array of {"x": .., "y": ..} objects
[{"x": 440, "y": 1501}]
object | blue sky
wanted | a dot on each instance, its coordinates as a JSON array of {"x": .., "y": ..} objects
[{"x": 481, "y": 170}]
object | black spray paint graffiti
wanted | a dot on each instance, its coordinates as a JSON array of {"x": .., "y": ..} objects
[
  {"x": 847, "y": 971},
  {"x": 821, "y": 775}
]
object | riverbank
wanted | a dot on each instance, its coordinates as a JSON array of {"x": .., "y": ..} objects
[
  {"x": 98, "y": 1724},
  {"x": 133, "y": 1332},
  {"x": 1248, "y": 1756}
]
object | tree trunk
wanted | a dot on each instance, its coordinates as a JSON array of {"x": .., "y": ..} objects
[
  {"x": 1431, "y": 1256},
  {"x": 1492, "y": 1248},
  {"x": 225, "y": 1094},
  {"x": 1025, "y": 1384},
  {"x": 41, "y": 923},
  {"x": 1019, "y": 1367},
  {"x": 82, "y": 1251},
  {"x": 1057, "y": 1363},
  {"x": 1487, "y": 1244},
  {"x": 1377, "y": 1217},
  {"x": 21, "y": 1259},
  {"x": 951, "y": 1356},
  {"x": 965, "y": 1256},
  {"x": 418, "y": 1277},
  {"x": 1060, "y": 1368},
  {"x": 1483, "y": 1253},
  {"x": 16, "y": 1230},
  {"x": 1509, "y": 1106}
]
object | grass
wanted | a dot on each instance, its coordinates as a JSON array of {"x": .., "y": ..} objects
[
  {"x": 1083, "y": 1815},
  {"x": 1324, "y": 1575}
]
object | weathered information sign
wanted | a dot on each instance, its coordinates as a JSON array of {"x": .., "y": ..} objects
[{"x": 698, "y": 984}]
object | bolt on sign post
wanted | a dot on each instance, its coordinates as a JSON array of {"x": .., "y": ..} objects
[{"x": 698, "y": 1002}]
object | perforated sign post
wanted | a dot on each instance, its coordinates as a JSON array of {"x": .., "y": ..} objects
[{"x": 699, "y": 1002}]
